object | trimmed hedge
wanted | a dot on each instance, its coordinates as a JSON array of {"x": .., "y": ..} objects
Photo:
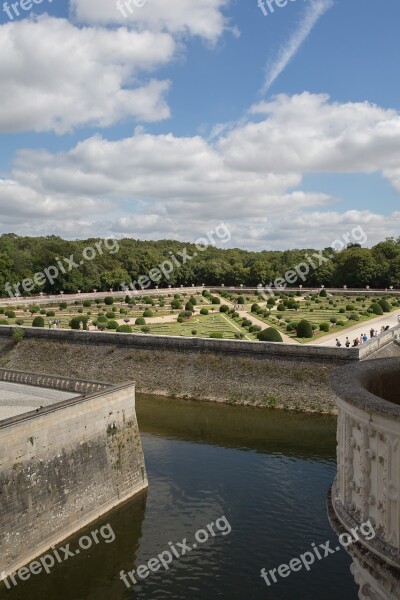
[
  {"x": 304, "y": 329},
  {"x": 269, "y": 335},
  {"x": 38, "y": 322}
]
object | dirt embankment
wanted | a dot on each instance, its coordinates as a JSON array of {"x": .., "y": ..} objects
[{"x": 253, "y": 381}]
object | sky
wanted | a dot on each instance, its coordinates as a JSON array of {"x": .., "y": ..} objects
[{"x": 161, "y": 119}]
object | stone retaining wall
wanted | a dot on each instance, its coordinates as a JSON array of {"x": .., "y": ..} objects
[{"x": 64, "y": 466}]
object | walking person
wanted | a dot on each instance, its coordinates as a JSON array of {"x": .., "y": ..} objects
[{"x": 347, "y": 343}]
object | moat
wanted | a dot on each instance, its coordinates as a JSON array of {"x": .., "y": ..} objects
[{"x": 268, "y": 472}]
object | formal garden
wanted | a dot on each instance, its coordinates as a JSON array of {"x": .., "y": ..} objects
[{"x": 225, "y": 315}]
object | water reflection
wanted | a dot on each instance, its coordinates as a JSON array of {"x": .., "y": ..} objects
[{"x": 267, "y": 472}]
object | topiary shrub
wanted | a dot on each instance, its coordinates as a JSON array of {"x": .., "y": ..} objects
[
  {"x": 145, "y": 329},
  {"x": 175, "y": 304},
  {"x": 292, "y": 326},
  {"x": 246, "y": 322},
  {"x": 76, "y": 321},
  {"x": 385, "y": 305},
  {"x": 194, "y": 331},
  {"x": 180, "y": 319},
  {"x": 354, "y": 317},
  {"x": 215, "y": 300},
  {"x": 216, "y": 334},
  {"x": 112, "y": 325},
  {"x": 148, "y": 313},
  {"x": 269, "y": 335},
  {"x": 109, "y": 300},
  {"x": 224, "y": 308},
  {"x": 10, "y": 314},
  {"x": 324, "y": 326},
  {"x": 38, "y": 322},
  {"x": 239, "y": 335},
  {"x": 281, "y": 307},
  {"x": 204, "y": 311},
  {"x": 323, "y": 293},
  {"x": 63, "y": 305},
  {"x": 87, "y": 303},
  {"x": 255, "y": 308},
  {"x": 189, "y": 306},
  {"x": 342, "y": 311},
  {"x": 140, "y": 321},
  {"x": 185, "y": 314},
  {"x": 241, "y": 300},
  {"x": 50, "y": 313},
  {"x": 333, "y": 320},
  {"x": 376, "y": 308},
  {"x": 19, "y": 322},
  {"x": 304, "y": 329},
  {"x": 340, "y": 323},
  {"x": 254, "y": 328}
]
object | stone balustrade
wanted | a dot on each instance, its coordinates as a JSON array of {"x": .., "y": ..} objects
[{"x": 67, "y": 384}]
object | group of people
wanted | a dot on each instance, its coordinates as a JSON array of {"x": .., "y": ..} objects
[
  {"x": 56, "y": 324},
  {"x": 363, "y": 338}
]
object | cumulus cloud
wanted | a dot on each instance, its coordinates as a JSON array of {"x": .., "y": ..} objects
[
  {"x": 203, "y": 18},
  {"x": 163, "y": 186},
  {"x": 56, "y": 76}
]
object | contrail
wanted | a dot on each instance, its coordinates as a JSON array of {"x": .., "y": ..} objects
[{"x": 313, "y": 13}]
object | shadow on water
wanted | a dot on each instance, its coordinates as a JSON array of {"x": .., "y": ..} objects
[
  {"x": 270, "y": 431},
  {"x": 267, "y": 472},
  {"x": 93, "y": 573}
]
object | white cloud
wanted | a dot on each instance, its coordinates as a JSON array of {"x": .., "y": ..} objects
[
  {"x": 202, "y": 18},
  {"x": 57, "y": 77},
  {"x": 314, "y": 11},
  {"x": 164, "y": 186}
]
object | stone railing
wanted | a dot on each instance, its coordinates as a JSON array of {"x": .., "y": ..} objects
[
  {"x": 67, "y": 384},
  {"x": 367, "y": 486}
]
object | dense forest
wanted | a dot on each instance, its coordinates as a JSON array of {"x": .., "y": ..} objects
[{"x": 22, "y": 257}]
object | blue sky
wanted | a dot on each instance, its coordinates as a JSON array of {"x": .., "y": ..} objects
[{"x": 312, "y": 156}]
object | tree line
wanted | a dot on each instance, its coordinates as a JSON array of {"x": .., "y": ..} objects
[{"x": 354, "y": 266}]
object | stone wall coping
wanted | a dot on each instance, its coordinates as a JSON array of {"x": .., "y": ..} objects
[
  {"x": 350, "y": 383},
  {"x": 295, "y": 351}
]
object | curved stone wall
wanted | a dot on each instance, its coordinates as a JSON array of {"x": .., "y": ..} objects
[{"x": 367, "y": 486}]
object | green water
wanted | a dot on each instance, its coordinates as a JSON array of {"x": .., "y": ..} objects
[{"x": 266, "y": 472}]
